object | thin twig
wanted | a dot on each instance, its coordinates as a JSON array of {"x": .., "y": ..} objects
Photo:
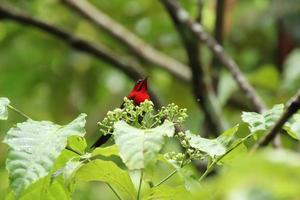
[
  {"x": 201, "y": 81},
  {"x": 201, "y": 35},
  {"x": 210, "y": 167},
  {"x": 135, "y": 44},
  {"x": 114, "y": 191},
  {"x": 183, "y": 163},
  {"x": 166, "y": 178},
  {"x": 218, "y": 34},
  {"x": 18, "y": 111},
  {"x": 140, "y": 184},
  {"x": 292, "y": 108},
  {"x": 129, "y": 67}
]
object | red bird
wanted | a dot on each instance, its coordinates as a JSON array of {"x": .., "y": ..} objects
[{"x": 138, "y": 94}]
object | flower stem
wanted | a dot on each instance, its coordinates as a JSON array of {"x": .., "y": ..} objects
[
  {"x": 183, "y": 163},
  {"x": 18, "y": 111},
  {"x": 166, "y": 178},
  {"x": 209, "y": 168}
]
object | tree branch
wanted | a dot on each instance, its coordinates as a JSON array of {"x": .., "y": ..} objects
[
  {"x": 198, "y": 31},
  {"x": 293, "y": 107},
  {"x": 130, "y": 68},
  {"x": 218, "y": 34},
  {"x": 201, "y": 81},
  {"x": 135, "y": 44}
]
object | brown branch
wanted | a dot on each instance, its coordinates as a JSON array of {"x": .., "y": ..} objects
[
  {"x": 226, "y": 60},
  {"x": 218, "y": 34},
  {"x": 130, "y": 40},
  {"x": 130, "y": 68},
  {"x": 201, "y": 82},
  {"x": 293, "y": 107}
]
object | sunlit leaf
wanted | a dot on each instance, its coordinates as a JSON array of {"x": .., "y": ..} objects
[
  {"x": 213, "y": 147},
  {"x": 138, "y": 148},
  {"x": 34, "y": 146},
  {"x": 105, "y": 151},
  {"x": 292, "y": 127},
  {"x": 4, "y": 102},
  {"x": 110, "y": 173},
  {"x": 77, "y": 143},
  {"x": 42, "y": 190},
  {"x": 263, "y": 121}
]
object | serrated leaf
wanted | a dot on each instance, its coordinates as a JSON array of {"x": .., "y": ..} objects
[
  {"x": 34, "y": 146},
  {"x": 292, "y": 127},
  {"x": 108, "y": 172},
  {"x": 4, "y": 102},
  {"x": 138, "y": 148},
  {"x": 257, "y": 122},
  {"x": 213, "y": 147}
]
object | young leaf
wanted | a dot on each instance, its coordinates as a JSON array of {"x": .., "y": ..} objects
[
  {"x": 77, "y": 143},
  {"x": 213, "y": 147},
  {"x": 106, "y": 151},
  {"x": 34, "y": 146},
  {"x": 263, "y": 121},
  {"x": 4, "y": 102},
  {"x": 110, "y": 173},
  {"x": 138, "y": 148},
  {"x": 292, "y": 127}
]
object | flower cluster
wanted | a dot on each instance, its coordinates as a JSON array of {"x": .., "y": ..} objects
[
  {"x": 191, "y": 152},
  {"x": 172, "y": 113},
  {"x": 178, "y": 157},
  {"x": 142, "y": 116}
]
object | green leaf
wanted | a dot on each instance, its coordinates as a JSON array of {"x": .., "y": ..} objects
[
  {"x": 41, "y": 190},
  {"x": 138, "y": 148},
  {"x": 213, "y": 147},
  {"x": 77, "y": 143},
  {"x": 257, "y": 122},
  {"x": 292, "y": 127},
  {"x": 4, "y": 102},
  {"x": 34, "y": 146},
  {"x": 227, "y": 137},
  {"x": 271, "y": 174},
  {"x": 69, "y": 172},
  {"x": 106, "y": 151},
  {"x": 210, "y": 146},
  {"x": 110, "y": 173},
  {"x": 166, "y": 193}
]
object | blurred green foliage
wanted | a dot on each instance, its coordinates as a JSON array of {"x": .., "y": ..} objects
[{"x": 49, "y": 81}]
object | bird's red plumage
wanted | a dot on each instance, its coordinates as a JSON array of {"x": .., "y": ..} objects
[{"x": 139, "y": 93}]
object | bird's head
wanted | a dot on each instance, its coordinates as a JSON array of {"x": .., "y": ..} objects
[{"x": 139, "y": 93}]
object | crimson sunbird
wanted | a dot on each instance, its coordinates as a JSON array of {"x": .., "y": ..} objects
[{"x": 138, "y": 94}]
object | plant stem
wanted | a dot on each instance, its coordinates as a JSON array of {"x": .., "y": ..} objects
[
  {"x": 118, "y": 196},
  {"x": 183, "y": 163},
  {"x": 74, "y": 151},
  {"x": 18, "y": 111},
  {"x": 209, "y": 168},
  {"x": 140, "y": 184},
  {"x": 166, "y": 178}
]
